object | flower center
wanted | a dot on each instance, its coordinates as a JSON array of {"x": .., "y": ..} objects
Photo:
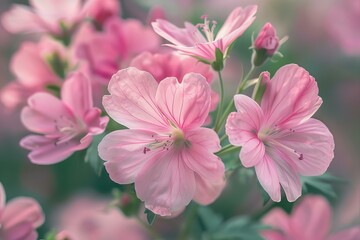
[
  {"x": 207, "y": 29},
  {"x": 68, "y": 128},
  {"x": 174, "y": 140}
]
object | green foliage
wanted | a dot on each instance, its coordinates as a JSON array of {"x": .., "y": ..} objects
[
  {"x": 50, "y": 235},
  {"x": 54, "y": 89},
  {"x": 218, "y": 65},
  {"x": 321, "y": 185},
  {"x": 127, "y": 201},
  {"x": 92, "y": 156},
  {"x": 150, "y": 216}
]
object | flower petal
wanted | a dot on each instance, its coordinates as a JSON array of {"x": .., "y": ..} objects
[
  {"x": 352, "y": 233},
  {"x": 268, "y": 178},
  {"x": 207, "y": 191},
  {"x": 46, "y": 151},
  {"x": 132, "y": 100},
  {"x": 165, "y": 183},
  {"x": 280, "y": 222},
  {"x": 20, "y": 210},
  {"x": 244, "y": 124},
  {"x": 2, "y": 197},
  {"x": 186, "y": 104},
  {"x": 124, "y": 152},
  {"x": 77, "y": 95},
  {"x": 22, "y": 19},
  {"x": 286, "y": 171},
  {"x": 21, "y": 231},
  {"x": 291, "y": 97},
  {"x": 252, "y": 152},
  {"x": 311, "y": 219},
  {"x": 314, "y": 146}
]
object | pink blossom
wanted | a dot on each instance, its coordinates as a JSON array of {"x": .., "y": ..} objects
[
  {"x": 279, "y": 138},
  {"x": 163, "y": 65},
  {"x": 343, "y": 23},
  {"x": 92, "y": 218},
  {"x": 310, "y": 219},
  {"x": 190, "y": 41},
  {"x": 267, "y": 39},
  {"x": 43, "y": 16},
  {"x": 19, "y": 218},
  {"x": 66, "y": 125},
  {"x": 33, "y": 71},
  {"x": 101, "y": 10},
  {"x": 165, "y": 152},
  {"x": 107, "y": 51}
]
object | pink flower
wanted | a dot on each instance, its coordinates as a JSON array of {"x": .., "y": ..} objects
[
  {"x": 163, "y": 65},
  {"x": 343, "y": 23},
  {"x": 279, "y": 138},
  {"x": 43, "y": 16},
  {"x": 165, "y": 152},
  {"x": 101, "y": 10},
  {"x": 19, "y": 218},
  {"x": 311, "y": 219},
  {"x": 67, "y": 125},
  {"x": 106, "y": 52},
  {"x": 190, "y": 41},
  {"x": 267, "y": 39},
  {"x": 33, "y": 71},
  {"x": 93, "y": 219}
]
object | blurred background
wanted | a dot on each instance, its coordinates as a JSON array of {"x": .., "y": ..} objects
[{"x": 324, "y": 38}]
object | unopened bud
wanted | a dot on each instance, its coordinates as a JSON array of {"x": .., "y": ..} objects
[{"x": 260, "y": 87}]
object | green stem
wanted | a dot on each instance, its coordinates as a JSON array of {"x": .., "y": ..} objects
[
  {"x": 185, "y": 230},
  {"x": 219, "y": 112},
  {"x": 223, "y": 138},
  {"x": 227, "y": 149},
  {"x": 239, "y": 89}
]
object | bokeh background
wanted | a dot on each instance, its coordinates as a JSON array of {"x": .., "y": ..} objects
[{"x": 324, "y": 38}]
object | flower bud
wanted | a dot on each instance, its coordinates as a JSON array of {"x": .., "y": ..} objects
[{"x": 260, "y": 86}]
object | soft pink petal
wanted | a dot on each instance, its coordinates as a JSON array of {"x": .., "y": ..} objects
[
  {"x": 22, "y": 19},
  {"x": 95, "y": 123},
  {"x": 268, "y": 178},
  {"x": 77, "y": 95},
  {"x": 132, "y": 100},
  {"x": 314, "y": 146},
  {"x": 237, "y": 22},
  {"x": 280, "y": 222},
  {"x": 30, "y": 67},
  {"x": 165, "y": 183},
  {"x": 207, "y": 191},
  {"x": 311, "y": 219},
  {"x": 187, "y": 36},
  {"x": 252, "y": 152},
  {"x": 37, "y": 122},
  {"x": 291, "y": 98},
  {"x": 286, "y": 171},
  {"x": 244, "y": 124},
  {"x": 14, "y": 95},
  {"x": 46, "y": 151},
  {"x": 352, "y": 233},
  {"x": 20, "y": 210},
  {"x": 186, "y": 104},
  {"x": 21, "y": 231},
  {"x": 124, "y": 152}
]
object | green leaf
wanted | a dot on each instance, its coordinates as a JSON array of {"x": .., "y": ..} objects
[
  {"x": 209, "y": 218},
  {"x": 50, "y": 235},
  {"x": 92, "y": 156},
  {"x": 218, "y": 65},
  {"x": 150, "y": 216},
  {"x": 54, "y": 89},
  {"x": 239, "y": 228},
  {"x": 321, "y": 185}
]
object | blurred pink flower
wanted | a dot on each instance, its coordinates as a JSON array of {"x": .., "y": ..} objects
[
  {"x": 43, "y": 16},
  {"x": 33, "y": 72},
  {"x": 344, "y": 25},
  {"x": 267, "y": 39},
  {"x": 163, "y": 65},
  {"x": 101, "y": 10},
  {"x": 93, "y": 219},
  {"x": 67, "y": 125},
  {"x": 190, "y": 41},
  {"x": 19, "y": 218},
  {"x": 165, "y": 152},
  {"x": 310, "y": 219},
  {"x": 107, "y": 51},
  {"x": 279, "y": 138}
]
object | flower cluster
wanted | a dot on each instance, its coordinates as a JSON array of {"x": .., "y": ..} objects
[{"x": 169, "y": 145}]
